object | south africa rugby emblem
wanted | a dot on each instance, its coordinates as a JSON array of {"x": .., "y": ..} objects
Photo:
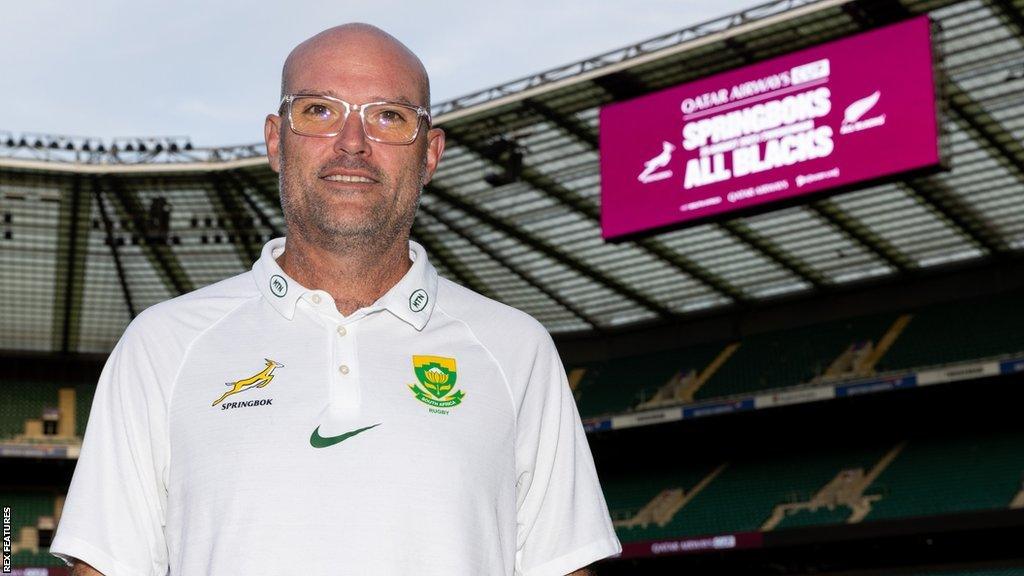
[{"x": 437, "y": 376}]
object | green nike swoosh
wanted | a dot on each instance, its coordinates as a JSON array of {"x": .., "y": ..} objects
[{"x": 318, "y": 441}]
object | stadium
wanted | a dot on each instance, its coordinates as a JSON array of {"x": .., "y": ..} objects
[{"x": 772, "y": 382}]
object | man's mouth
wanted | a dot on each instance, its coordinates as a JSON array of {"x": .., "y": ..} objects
[{"x": 349, "y": 178}]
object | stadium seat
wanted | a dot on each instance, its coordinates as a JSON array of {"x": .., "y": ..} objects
[
  {"x": 618, "y": 385},
  {"x": 31, "y": 511},
  {"x": 740, "y": 497},
  {"x": 746, "y": 493},
  {"x": 790, "y": 357},
  {"x": 954, "y": 474},
  {"x": 629, "y": 494},
  {"x": 953, "y": 332},
  {"x": 23, "y": 403}
]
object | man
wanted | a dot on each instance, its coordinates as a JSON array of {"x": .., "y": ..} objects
[{"x": 340, "y": 409}]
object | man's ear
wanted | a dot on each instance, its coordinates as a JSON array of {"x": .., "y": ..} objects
[
  {"x": 272, "y": 137},
  {"x": 435, "y": 148}
]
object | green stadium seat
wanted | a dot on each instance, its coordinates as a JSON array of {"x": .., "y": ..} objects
[
  {"x": 25, "y": 559},
  {"x": 26, "y": 508},
  {"x": 744, "y": 496},
  {"x": 741, "y": 498},
  {"x": 22, "y": 400},
  {"x": 947, "y": 475},
  {"x": 616, "y": 386},
  {"x": 790, "y": 357},
  {"x": 26, "y": 399},
  {"x": 959, "y": 331},
  {"x": 627, "y": 494},
  {"x": 951, "y": 332}
]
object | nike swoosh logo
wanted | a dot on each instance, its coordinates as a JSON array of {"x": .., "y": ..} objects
[{"x": 318, "y": 441}]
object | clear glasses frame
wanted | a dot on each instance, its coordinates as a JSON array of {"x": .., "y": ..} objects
[{"x": 419, "y": 110}]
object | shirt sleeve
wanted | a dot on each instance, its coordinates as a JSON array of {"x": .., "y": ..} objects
[
  {"x": 562, "y": 519},
  {"x": 114, "y": 512}
]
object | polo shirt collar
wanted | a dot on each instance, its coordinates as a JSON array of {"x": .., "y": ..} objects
[
  {"x": 412, "y": 299},
  {"x": 278, "y": 288}
]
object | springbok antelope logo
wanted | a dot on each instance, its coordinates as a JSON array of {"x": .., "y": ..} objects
[
  {"x": 258, "y": 380},
  {"x": 650, "y": 173}
]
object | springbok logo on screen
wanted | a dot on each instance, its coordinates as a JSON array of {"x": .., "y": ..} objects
[
  {"x": 854, "y": 112},
  {"x": 257, "y": 380},
  {"x": 651, "y": 167}
]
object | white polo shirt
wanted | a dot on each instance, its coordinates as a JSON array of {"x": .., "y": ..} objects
[{"x": 250, "y": 428}]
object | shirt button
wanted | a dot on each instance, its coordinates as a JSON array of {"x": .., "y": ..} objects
[
  {"x": 343, "y": 369},
  {"x": 315, "y": 298},
  {"x": 342, "y": 331}
]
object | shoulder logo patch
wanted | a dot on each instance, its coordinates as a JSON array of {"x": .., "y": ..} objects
[
  {"x": 436, "y": 388},
  {"x": 257, "y": 380}
]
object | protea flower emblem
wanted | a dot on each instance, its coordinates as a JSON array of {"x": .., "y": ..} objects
[{"x": 437, "y": 376}]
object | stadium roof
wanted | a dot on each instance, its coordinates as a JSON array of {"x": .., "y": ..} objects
[{"x": 82, "y": 247}]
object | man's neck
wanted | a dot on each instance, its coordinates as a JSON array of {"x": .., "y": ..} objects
[{"x": 354, "y": 278}]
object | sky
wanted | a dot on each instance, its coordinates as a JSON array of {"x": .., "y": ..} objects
[{"x": 211, "y": 70}]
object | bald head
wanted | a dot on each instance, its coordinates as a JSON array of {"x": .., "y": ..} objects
[{"x": 355, "y": 43}]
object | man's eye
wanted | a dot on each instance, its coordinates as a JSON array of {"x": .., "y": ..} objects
[
  {"x": 317, "y": 111},
  {"x": 392, "y": 116}
]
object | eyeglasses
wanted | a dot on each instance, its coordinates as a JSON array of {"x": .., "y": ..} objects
[{"x": 324, "y": 116}]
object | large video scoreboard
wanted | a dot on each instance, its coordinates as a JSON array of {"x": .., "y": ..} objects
[{"x": 849, "y": 111}]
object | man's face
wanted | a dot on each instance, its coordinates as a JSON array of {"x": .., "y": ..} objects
[{"x": 347, "y": 188}]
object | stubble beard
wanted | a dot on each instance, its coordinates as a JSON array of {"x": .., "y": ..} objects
[{"x": 310, "y": 218}]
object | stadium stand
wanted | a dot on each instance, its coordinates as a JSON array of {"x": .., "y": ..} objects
[
  {"x": 611, "y": 387},
  {"x": 43, "y": 411},
  {"x": 22, "y": 402},
  {"x": 791, "y": 357},
  {"x": 922, "y": 477},
  {"x": 745, "y": 495},
  {"x": 975, "y": 328},
  {"x": 651, "y": 500},
  {"x": 968, "y": 471},
  {"x": 980, "y": 328},
  {"x": 33, "y": 518}
]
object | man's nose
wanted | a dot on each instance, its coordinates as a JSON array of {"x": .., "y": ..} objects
[{"x": 352, "y": 139}]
